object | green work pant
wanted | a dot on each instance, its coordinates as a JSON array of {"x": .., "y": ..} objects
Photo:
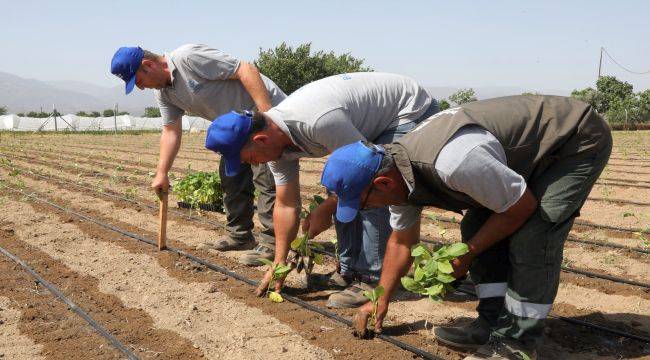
[
  {"x": 517, "y": 279},
  {"x": 239, "y": 194}
]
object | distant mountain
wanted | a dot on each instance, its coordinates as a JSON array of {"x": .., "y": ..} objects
[
  {"x": 22, "y": 95},
  {"x": 488, "y": 92}
]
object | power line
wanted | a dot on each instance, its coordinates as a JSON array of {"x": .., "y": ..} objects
[{"x": 602, "y": 49}]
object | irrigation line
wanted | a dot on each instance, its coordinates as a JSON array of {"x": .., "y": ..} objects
[
  {"x": 71, "y": 305},
  {"x": 221, "y": 226},
  {"x": 410, "y": 348},
  {"x": 300, "y": 302},
  {"x": 579, "y": 271},
  {"x": 579, "y": 322}
]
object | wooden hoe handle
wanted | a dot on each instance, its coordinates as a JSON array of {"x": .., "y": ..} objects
[{"x": 162, "y": 224}]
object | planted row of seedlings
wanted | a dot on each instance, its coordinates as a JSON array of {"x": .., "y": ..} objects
[{"x": 439, "y": 219}]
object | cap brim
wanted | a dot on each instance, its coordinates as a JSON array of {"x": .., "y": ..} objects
[
  {"x": 233, "y": 164},
  {"x": 346, "y": 210},
  {"x": 130, "y": 85}
]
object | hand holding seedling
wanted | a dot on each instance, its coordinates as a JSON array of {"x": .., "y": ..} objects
[
  {"x": 372, "y": 312},
  {"x": 319, "y": 218},
  {"x": 276, "y": 274}
]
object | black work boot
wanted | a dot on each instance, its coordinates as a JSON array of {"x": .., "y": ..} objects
[{"x": 471, "y": 336}]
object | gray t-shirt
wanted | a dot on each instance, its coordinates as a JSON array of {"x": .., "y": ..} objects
[
  {"x": 200, "y": 85},
  {"x": 472, "y": 162},
  {"x": 329, "y": 113}
]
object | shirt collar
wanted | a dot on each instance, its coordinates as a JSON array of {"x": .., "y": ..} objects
[
  {"x": 171, "y": 67},
  {"x": 278, "y": 119}
]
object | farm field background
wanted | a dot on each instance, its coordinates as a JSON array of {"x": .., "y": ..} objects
[{"x": 163, "y": 306}]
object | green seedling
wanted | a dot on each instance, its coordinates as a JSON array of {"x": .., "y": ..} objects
[
  {"x": 432, "y": 270},
  {"x": 199, "y": 187},
  {"x": 279, "y": 272},
  {"x": 131, "y": 193},
  {"x": 374, "y": 296},
  {"x": 306, "y": 257},
  {"x": 365, "y": 327},
  {"x": 119, "y": 167},
  {"x": 628, "y": 214}
]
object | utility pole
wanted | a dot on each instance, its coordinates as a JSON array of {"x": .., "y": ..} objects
[
  {"x": 54, "y": 114},
  {"x": 115, "y": 118},
  {"x": 600, "y": 63}
]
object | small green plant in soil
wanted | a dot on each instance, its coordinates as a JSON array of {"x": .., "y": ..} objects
[
  {"x": 374, "y": 296},
  {"x": 432, "y": 270},
  {"x": 198, "y": 188},
  {"x": 306, "y": 257},
  {"x": 279, "y": 272}
]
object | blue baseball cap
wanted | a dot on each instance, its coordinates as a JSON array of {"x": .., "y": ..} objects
[
  {"x": 227, "y": 135},
  {"x": 125, "y": 64},
  {"x": 348, "y": 171}
]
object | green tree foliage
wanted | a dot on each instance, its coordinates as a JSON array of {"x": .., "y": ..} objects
[
  {"x": 151, "y": 112},
  {"x": 463, "y": 96},
  {"x": 292, "y": 68},
  {"x": 123, "y": 113},
  {"x": 588, "y": 95},
  {"x": 81, "y": 113},
  {"x": 21, "y": 114},
  {"x": 3, "y": 110},
  {"x": 40, "y": 114},
  {"x": 444, "y": 105},
  {"x": 616, "y": 100},
  {"x": 95, "y": 114},
  {"x": 108, "y": 112},
  {"x": 611, "y": 91}
]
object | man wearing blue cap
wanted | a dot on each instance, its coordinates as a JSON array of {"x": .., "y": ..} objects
[
  {"x": 521, "y": 168},
  {"x": 208, "y": 82},
  {"x": 312, "y": 122}
]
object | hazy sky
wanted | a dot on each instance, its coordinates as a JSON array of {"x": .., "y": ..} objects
[{"x": 541, "y": 45}]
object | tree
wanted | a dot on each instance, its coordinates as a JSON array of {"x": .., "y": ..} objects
[
  {"x": 95, "y": 114},
  {"x": 108, "y": 113},
  {"x": 3, "y": 110},
  {"x": 463, "y": 96},
  {"x": 81, "y": 113},
  {"x": 610, "y": 89},
  {"x": 123, "y": 113},
  {"x": 21, "y": 114},
  {"x": 444, "y": 105},
  {"x": 151, "y": 112},
  {"x": 644, "y": 106},
  {"x": 292, "y": 68},
  {"x": 588, "y": 95}
]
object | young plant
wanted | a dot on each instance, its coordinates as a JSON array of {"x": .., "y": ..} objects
[
  {"x": 199, "y": 187},
  {"x": 306, "y": 257},
  {"x": 432, "y": 270},
  {"x": 279, "y": 272},
  {"x": 374, "y": 296}
]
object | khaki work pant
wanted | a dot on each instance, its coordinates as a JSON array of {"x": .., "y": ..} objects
[{"x": 239, "y": 194}]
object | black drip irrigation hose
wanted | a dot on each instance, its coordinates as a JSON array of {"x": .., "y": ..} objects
[
  {"x": 72, "y": 306},
  {"x": 578, "y": 322},
  {"x": 221, "y": 226},
  {"x": 410, "y": 348},
  {"x": 578, "y": 271}
]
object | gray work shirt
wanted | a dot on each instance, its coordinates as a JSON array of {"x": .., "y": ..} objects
[
  {"x": 472, "y": 162},
  {"x": 338, "y": 110},
  {"x": 200, "y": 85}
]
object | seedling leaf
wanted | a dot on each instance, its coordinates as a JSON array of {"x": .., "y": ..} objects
[{"x": 457, "y": 249}]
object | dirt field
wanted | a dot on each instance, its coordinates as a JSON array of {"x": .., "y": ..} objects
[{"x": 163, "y": 306}]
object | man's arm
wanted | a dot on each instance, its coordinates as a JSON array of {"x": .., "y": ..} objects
[
  {"x": 397, "y": 262},
  {"x": 250, "y": 78},
  {"x": 170, "y": 142},
  {"x": 497, "y": 227},
  {"x": 286, "y": 219}
]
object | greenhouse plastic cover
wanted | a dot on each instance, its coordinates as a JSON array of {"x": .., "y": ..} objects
[{"x": 81, "y": 123}]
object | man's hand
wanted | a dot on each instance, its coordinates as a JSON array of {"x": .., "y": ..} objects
[
  {"x": 360, "y": 320},
  {"x": 319, "y": 220},
  {"x": 461, "y": 265},
  {"x": 264, "y": 284},
  {"x": 160, "y": 183}
]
